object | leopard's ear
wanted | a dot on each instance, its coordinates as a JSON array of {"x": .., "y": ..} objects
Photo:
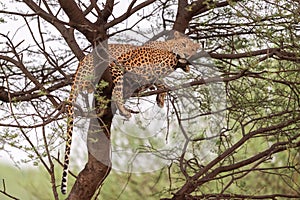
[{"x": 177, "y": 34}]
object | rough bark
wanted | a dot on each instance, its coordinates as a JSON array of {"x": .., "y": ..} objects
[
  {"x": 98, "y": 141},
  {"x": 185, "y": 11}
]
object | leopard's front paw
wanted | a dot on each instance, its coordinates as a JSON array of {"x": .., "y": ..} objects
[
  {"x": 160, "y": 99},
  {"x": 127, "y": 112}
]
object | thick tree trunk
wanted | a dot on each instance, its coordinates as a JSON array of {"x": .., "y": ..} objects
[
  {"x": 99, "y": 161},
  {"x": 98, "y": 140}
]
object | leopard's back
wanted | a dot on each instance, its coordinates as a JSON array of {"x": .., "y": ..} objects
[{"x": 147, "y": 64}]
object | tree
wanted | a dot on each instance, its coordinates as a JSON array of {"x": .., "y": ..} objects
[{"x": 247, "y": 91}]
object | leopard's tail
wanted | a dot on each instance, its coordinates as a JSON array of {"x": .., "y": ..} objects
[{"x": 70, "y": 122}]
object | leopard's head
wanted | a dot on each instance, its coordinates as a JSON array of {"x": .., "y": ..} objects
[{"x": 183, "y": 46}]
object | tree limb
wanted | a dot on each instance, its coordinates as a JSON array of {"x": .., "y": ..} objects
[
  {"x": 195, "y": 181},
  {"x": 130, "y": 11},
  {"x": 67, "y": 33}
]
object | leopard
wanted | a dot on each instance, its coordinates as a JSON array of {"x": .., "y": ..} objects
[{"x": 145, "y": 65}]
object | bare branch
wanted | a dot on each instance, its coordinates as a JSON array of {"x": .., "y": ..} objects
[
  {"x": 130, "y": 11},
  {"x": 196, "y": 180},
  {"x": 240, "y": 196},
  {"x": 67, "y": 33},
  {"x": 20, "y": 65},
  {"x": 5, "y": 193}
]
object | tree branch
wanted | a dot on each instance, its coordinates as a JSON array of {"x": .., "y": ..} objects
[
  {"x": 195, "y": 182},
  {"x": 31, "y": 77},
  {"x": 67, "y": 33},
  {"x": 185, "y": 11},
  {"x": 5, "y": 193},
  {"x": 76, "y": 16},
  {"x": 241, "y": 196},
  {"x": 269, "y": 51},
  {"x": 130, "y": 11},
  {"x": 108, "y": 9}
]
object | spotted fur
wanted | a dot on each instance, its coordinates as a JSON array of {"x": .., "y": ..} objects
[{"x": 145, "y": 65}]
